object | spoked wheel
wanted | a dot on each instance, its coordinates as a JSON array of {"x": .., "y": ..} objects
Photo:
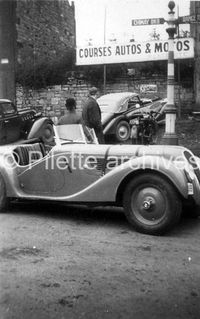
[
  {"x": 152, "y": 205},
  {"x": 122, "y": 131},
  {"x": 3, "y": 198}
]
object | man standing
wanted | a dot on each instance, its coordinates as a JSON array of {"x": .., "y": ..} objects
[
  {"x": 91, "y": 114},
  {"x": 71, "y": 117}
]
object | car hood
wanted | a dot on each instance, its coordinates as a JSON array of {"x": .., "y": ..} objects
[
  {"x": 167, "y": 151},
  {"x": 170, "y": 152}
]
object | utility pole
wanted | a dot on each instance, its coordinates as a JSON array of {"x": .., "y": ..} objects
[
  {"x": 170, "y": 136},
  {"x": 179, "y": 76},
  {"x": 7, "y": 49},
  {"x": 104, "y": 40}
]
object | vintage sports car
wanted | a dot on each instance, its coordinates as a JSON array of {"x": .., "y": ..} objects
[
  {"x": 65, "y": 163},
  {"x": 118, "y": 109},
  {"x": 14, "y": 124}
]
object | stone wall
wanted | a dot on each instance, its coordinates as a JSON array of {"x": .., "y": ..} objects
[
  {"x": 51, "y": 101},
  {"x": 45, "y": 35}
]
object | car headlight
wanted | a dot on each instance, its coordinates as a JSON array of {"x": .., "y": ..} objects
[
  {"x": 190, "y": 172},
  {"x": 183, "y": 164}
]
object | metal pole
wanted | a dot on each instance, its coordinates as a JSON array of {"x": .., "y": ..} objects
[
  {"x": 179, "y": 78},
  {"x": 170, "y": 136},
  {"x": 104, "y": 79},
  {"x": 104, "y": 67}
]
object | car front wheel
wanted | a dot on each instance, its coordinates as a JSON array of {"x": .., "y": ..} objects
[
  {"x": 122, "y": 131},
  {"x": 152, "y": 205}
]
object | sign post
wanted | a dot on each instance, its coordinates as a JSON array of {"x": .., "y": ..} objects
[{"x": 170, "y": 136}]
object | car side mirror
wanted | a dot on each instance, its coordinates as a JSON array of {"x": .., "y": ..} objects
[{"x": 137, "y": 105}]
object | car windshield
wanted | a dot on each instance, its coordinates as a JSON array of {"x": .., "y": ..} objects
[{"x": 75, "y": 133}]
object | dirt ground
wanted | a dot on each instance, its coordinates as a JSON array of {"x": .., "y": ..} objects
[{"x": 71, "y": 262}]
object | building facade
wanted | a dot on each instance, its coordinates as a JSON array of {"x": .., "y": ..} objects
[
  {"x": 195, "y": 33},
  {"x": 7, "y": 48}
]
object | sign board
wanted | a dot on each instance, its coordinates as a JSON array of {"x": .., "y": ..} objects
[
  {"x": 134, "y": 52},
  {"x": 148, "y": 88},
  {"x": 4, "y": 61},
  {"x": 189, "y": 19},
  {"x": 139, "y": 22}
]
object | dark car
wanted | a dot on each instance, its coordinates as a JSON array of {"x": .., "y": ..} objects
[
  {"x": 14, "y": 124},
  {"x": 117, "y": 109}
]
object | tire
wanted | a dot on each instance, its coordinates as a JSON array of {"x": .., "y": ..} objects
[
  {"x": 122, "y": 132},
  {"x": 3, "y": 198},
  {"x": 151, "y": 204}
]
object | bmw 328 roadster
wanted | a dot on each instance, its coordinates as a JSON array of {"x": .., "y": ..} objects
[{"x": 66, "y": 163}]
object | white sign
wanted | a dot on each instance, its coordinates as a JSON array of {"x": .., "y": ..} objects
[
  {"x": 148, "y": 88},
  {"x": 134, "y": 52},
  {"x": 4, "y": 61}
]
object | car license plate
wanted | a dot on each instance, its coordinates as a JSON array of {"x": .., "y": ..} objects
[{"x": 135, "y": 121}]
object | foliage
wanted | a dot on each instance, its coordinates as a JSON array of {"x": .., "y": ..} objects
[
  {"x": 46, "y": 72},
  {"x": 95, "y": 73}
]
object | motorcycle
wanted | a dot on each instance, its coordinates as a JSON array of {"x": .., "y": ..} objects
[{"x": 144, "y": 128}]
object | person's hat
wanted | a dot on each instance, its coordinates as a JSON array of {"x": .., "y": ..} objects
[{"x": 93, "y": 90}]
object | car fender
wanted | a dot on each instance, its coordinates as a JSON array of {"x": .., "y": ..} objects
[
  {"x": 111, "y": 126},
  {"x": 158, "y": 165},
  {"x": 8, "y": 172},
  {"x": 107, "y": 188}
]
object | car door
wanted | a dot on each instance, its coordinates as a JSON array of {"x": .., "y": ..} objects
[
  {"x": 63, "y": 172},
  {"x": 11, "y": 122}
]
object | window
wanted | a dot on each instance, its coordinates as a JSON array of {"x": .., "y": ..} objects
[
  {"x": 133, "y": 101},
  {"x": 7, "y": 108}
]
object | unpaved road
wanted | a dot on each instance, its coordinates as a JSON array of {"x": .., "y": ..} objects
[{"x": 70, "y": 263}]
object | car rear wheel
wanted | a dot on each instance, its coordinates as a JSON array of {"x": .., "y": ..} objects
[
  {"x": 152, "y": 205},
  {"x": 3, "y": 198},
  {"x": 122, "y": 131}
]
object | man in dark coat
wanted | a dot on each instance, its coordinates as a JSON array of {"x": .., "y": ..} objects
[{"x": 91, "y": 114}]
